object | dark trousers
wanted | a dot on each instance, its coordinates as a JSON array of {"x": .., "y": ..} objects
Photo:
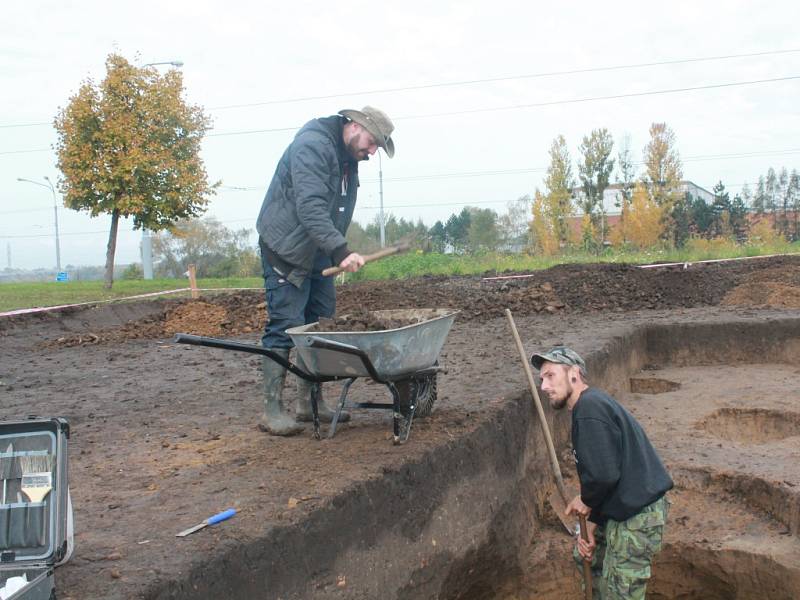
[{"x": 290, "y": 306}]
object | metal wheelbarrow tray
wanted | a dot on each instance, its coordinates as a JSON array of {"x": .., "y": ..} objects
[{"x": 403, "y": 359}]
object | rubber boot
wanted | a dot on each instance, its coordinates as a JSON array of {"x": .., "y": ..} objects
[
  {"x": 275, "y": 420},
  {"x": 303, "y": 412}
]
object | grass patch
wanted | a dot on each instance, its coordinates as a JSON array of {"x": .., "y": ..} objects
[{"x": 54, "y": 293}]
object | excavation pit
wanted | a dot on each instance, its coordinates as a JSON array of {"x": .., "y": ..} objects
[
  {"x": 751, "y": 425},
  {"x": 652, "y": 385}
]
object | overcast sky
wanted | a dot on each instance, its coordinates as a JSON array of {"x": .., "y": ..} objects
[{"x": 275, "y": 56}]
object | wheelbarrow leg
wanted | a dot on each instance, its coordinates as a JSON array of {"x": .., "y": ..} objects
[
  {"x": 315, "y": 397},
  {"x": 342, "y": 399},
  {"x": 413, "y": 390},
  {"x": 395, "y": 413}
]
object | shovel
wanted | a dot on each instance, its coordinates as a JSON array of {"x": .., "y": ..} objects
[
  {"x": 558, "y": 502},
  {"x": 388, "y": 251}
]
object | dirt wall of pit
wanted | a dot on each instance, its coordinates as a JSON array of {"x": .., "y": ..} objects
[{"x": 454, "y": 524}]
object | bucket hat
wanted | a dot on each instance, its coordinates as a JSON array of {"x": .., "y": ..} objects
[{"x": 377, "y": 123}]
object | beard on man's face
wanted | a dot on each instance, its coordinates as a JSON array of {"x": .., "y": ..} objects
[
  {"x": 357, "y": 152},
  {"x": 559, "y": 403}
]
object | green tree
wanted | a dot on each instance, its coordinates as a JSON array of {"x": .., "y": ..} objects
[
  {"x": 794, "y": 195},
  {"x": 784, "y": 195},
  {"x": 700, "y": 215},
  {"x": 595, "y": 171},
  {"x": 438, "y": 237},
  {"x": 483, "y": 233},
  {"x": 130, "y": 147},
  {"x": 721, "y": 212},
  {"x": 681, "y": 220},
  {"x": 559, "y": 183},
  {"x": 457, "y": 229},
  {"x": 360, "y": 240},
  {"x": 133, "y": 271},
  {"x": 760, "y": 197},
  {"x": 739, "y": 222}
]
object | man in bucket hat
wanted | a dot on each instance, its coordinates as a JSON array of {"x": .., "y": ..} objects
[
  {"x": 623, "y": 481},
  {"x": 302, "y": 224}
]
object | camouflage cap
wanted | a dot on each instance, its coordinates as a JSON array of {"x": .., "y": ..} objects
[{"x": 561, "y": 355}]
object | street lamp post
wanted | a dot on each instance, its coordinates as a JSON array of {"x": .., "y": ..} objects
[
  {"x": 147, "y": 239},
  {"x": 383, "y": 221},
  {"x": 55, "y": 213}
]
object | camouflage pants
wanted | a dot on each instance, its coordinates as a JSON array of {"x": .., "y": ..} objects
[{"x": 621, "y": 562}]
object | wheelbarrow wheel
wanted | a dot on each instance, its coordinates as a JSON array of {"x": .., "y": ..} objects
[{"x": 425, "y": 395}]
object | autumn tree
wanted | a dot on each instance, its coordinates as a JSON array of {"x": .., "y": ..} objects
[
  {"x": 662, "y": 176},
  {"x": 595, "y": 171},
  {"x": 643, "y": 221},
  {"x": 130, "y": 147},
  {"x": 559, "y": 183},
  {"x": 543, "y": 236},
  {"x": 662, "y": 164}
]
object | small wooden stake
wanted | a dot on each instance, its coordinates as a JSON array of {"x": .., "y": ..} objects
[{"x": 193, "y": 281}]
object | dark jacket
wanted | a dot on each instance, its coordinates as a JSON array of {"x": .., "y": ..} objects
[
  {"x": 618, "y": 467},
  {"x": 307, "y": 206}
]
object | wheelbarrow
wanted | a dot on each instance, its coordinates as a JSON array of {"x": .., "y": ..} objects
[{"x": 405, "y": 360}]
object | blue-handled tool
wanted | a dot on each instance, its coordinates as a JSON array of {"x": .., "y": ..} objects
[{"x": 226, "y": 514}]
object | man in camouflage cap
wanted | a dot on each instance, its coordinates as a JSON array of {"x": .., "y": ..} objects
[{"x": 623, "y": 481}]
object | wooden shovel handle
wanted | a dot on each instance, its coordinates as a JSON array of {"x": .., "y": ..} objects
[
  {"x": 368, "y": 258},
  {"x": 587, "y": 564}
]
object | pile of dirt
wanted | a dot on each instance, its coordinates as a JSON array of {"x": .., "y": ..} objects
[
  {"x": 217, "y": 315},
  {"x": 202, "y": 318},
  {"x": 764, "y": 294},
  {"x": 564, "y": 288},
  {"x": 362, "y": 320},
  {"x": 774, "y": 288}
]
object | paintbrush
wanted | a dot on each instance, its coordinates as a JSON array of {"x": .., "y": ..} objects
[
  {"x": 37, "y": 476},
  {"x": 7, "y": 469}
]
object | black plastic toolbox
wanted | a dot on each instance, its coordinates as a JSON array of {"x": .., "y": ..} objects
[{"x": 35, "y": 536}]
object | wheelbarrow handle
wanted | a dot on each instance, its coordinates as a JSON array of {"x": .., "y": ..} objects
[{"x": 199, "y": 340}]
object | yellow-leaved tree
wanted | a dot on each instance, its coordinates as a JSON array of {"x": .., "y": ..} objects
[
  {"x": 643, "y": 224},
  {"x": 130, "y": 147},
  {"x": 544, "y": 238}
]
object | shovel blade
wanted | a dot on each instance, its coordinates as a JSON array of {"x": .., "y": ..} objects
[{"x": 556, "y": 502}]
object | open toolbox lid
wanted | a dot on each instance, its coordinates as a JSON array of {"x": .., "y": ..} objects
[{"x": 33, "y": 518}]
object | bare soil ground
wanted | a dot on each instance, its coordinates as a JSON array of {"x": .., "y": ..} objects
[{"x": 165, "y": 435}]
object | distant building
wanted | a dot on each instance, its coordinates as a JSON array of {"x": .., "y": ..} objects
[{"x": 612, "y": 195}]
